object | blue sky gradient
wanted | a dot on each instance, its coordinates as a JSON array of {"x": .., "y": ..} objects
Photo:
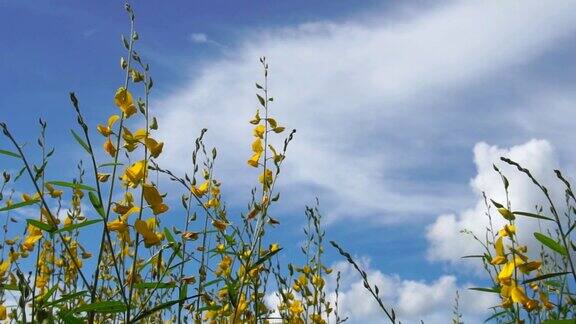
[{"x": 416, "y": 136}]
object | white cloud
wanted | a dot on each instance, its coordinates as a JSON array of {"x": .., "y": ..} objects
[
  {"x": 446, "y": 241},
  {"x": 198, "y": 38},
  {"x": 412, "y": 300},
  {"x": 369, "y": 99}
]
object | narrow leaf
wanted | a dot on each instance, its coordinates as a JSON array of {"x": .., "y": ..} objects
[
  {"x": 546, "y": 276},
  {"x": 72, "y": 227},
  {"x": 532, "y": 215},
  {"x": 9, "y": 153},
  {"x": 18, "y": 205},
  {"x": 71, "y": 185},
  {"x": 161, "y": 307},
  {"x": 96, "y": 204},
  {"x": 81, "y": 142},
  {"x": 490, "y": 290},
  {"x": 43, "y": 226},
  {"x": 549, "y": 242},
  {"x": 154, "y": 285},
  {"x": 106, "y": 307}
]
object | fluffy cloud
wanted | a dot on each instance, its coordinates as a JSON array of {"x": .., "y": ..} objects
[
  {"x": 412, "y": 301},
  {"x": 538, "y": 156},
  {"x": 369, "y": 99}
]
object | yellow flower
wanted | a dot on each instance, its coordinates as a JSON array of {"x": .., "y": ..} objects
[
  {"x": 134, "y": 174},
  {"x": 54, "y": 193},
  {"x": 123, "y": 99},
  {"x": 118, "y": 225},
  {"x": 106, "y": 130},
  {"x": 506, "y": 213},
  {"x": 296, "y": 308},
  {"x": 507, "y": 230},
  {"x": 34, "y": 235},
  {"x": 146, "y": 229},
  {"x": 257, "y": 146},
  {"x": 253, "y": 161},
  {"x": 500, "y": 257},
  {"x": 4, "y": 266},
  {"x": 220, "y": 225},
  {"x": 103, "y": 177},
  {"x": 274, "y": 247},
  {"x": 200, "y": 190},
  {"x": 109, "y": 147},
  {"x": 266, "y": 178},
  {"x": 154, "y": 199},
  {"x": 2, "y": 312},
  {"x": 154, "y": 147},
  {"x": 259, "y": 131},
  {"x": 528, "y": 267},
  {"x": 132, "y": 139},
  {"x": 506, "y": 273}
]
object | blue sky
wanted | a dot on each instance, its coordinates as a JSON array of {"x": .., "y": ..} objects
[{"x": 400, "y": 107}]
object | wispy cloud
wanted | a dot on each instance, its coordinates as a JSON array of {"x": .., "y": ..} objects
[{"x": 382, "y": 106}]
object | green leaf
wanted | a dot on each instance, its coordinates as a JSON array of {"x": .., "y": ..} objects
[
  {"x": 473, "y": 256},
  {"x": 65, "y": 298},
  {"x": 213, "y": 282},
  {"x": 161, "y": 307},
  {"x": 9, "y": 287},
  {"x": 264, "y": 258},
  {"x": 71, "y": 185},
  {"x": 154, "y": 285},
  {"x": 9, "y": 153},
  {"x": 70, "y": 319},
  {"x": 96, "y": 204},
  {"x": 549, "y": 242},
  {"x": 532, "y": 215},
  {"x": 262, "y": 101},
  {"x": 564, "y": 321},
  {"x": 106, "y": 307},
  {"x": 490, "y": 290},
  {"x": 81, "y": 142},
  {"x": 495, "y": 316},
  {"x": 47, "y": 295},
  {"x": 109, "y": 164},
  {"x": 43, "y": 226},
  {"x": 174, "y": 245},
  {"x": 72, "y": 227},
  {"x": 546, "y": 276},
  {"x": 18, "y": 205},
  {"x": 19, "y": 174}
]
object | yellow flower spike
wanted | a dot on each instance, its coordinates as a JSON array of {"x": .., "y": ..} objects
[
  {"x": 123, "y": 100},
  {"x": 500, "y": 257},
  {"x": 506, "y": 213},
  {"x": 259, "y": 131},
  {"x": 154, "y": 147},
  {"x": 107, "y": 130},
  {"x": 109, "y": 147},
  {"x": 145, "y": 228},
  {"x": 135, "y": 174},
  {"x": 154, "y": 199},
  {"x": 254, "y": 160}
]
